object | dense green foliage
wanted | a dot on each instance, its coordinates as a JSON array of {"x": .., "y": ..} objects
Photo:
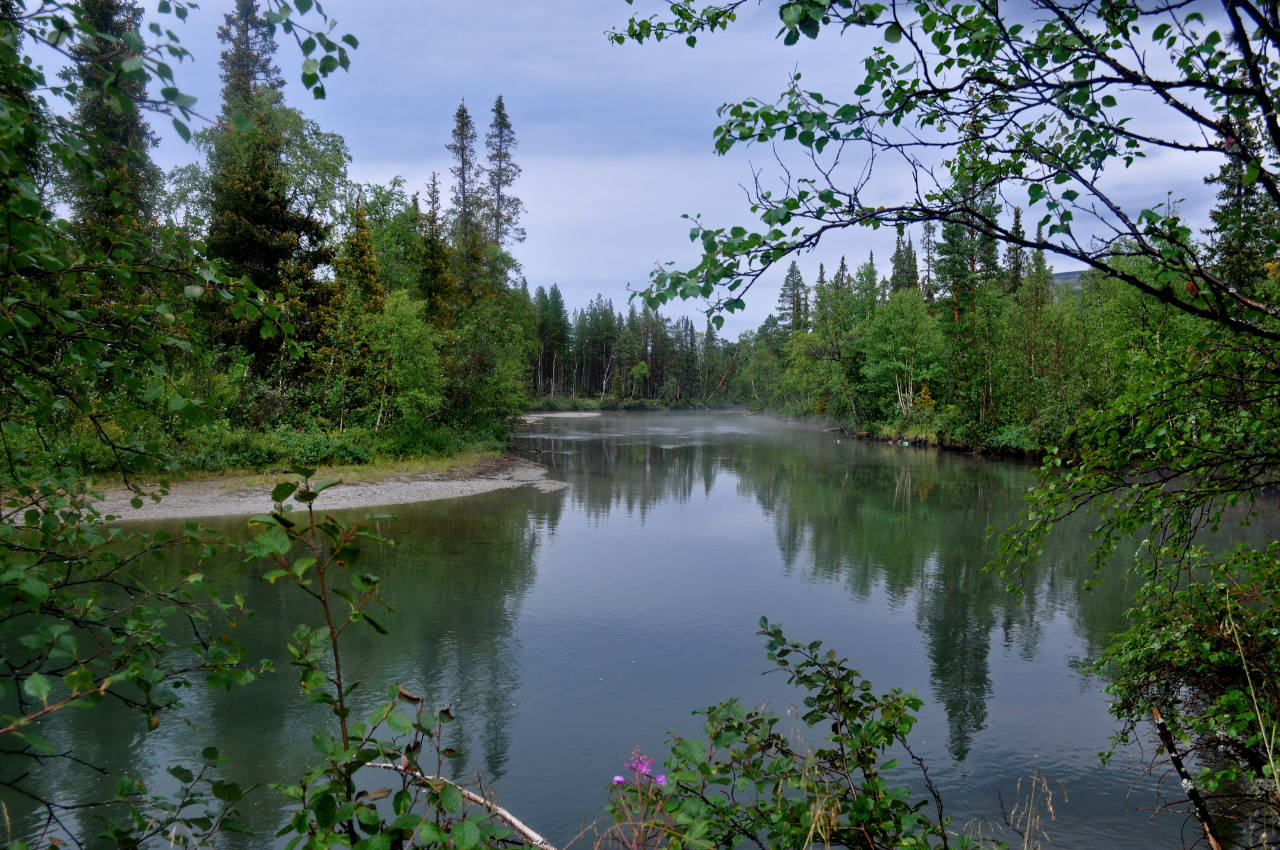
[
  {"x": 615, "y": 359},
  {"x": 405, "y": 333},
  {"x": 968, "y": 362}
]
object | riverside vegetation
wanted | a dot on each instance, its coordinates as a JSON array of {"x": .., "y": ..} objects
[{"x": 262, "y": 310}]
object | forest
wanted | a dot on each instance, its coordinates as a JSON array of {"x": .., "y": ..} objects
[{"x": 389, "y": 322}]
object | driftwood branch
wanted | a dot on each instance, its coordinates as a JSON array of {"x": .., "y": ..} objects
[
  {"x": 528, "y": 835},
  {"x": 1193, "y": 793}
]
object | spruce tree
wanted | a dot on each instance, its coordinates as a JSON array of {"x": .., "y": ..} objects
[
  {"x": 1015, "y": 256},
  {"x": 903, "y": 273},
  {"x": 793, "y": 302},
  {"x": 503, "y": 208},
  {"x": 928, "y": 244},
  {"x": 341, "y": 345},
  {"x": 467, "y": 204},
  {"x": 865, "y": 287},
  {"x": 1242, "y": 241},
  {"x": 247, "y": 63},
  {"x": 436, "y": 284},
  {"x": 253, "y": 230},
  {"x": 466, "y": 209},
  {"x": 114, "y": 178}
]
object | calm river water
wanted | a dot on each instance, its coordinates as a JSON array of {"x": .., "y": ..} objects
[{"x": 568, "y": 627}]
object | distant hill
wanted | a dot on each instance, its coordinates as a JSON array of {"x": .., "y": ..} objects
[{"x": 1067, "y": 283}]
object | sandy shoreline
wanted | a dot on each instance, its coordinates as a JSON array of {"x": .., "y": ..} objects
[{"x": 237, "y": 496}]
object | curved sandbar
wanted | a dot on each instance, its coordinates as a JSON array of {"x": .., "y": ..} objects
[{"x": 235, "y": 496}]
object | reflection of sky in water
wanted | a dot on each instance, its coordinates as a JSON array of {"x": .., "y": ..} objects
[{"x": 568, "y": 627}]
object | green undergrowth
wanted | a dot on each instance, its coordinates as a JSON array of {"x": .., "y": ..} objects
[{"x": 218, "y": 447}]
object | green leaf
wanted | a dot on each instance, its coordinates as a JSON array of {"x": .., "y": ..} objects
[
  {"x": 1251, "y": 171},
  {"x": 283, "y": 490},
  {"x": 451, "y": 799},
  {"x": 465, "y": 835},
  {"x": 399, "y": 724},
  {"x": 274, "y": 541},
  {"x": 402, "y": 802},
  {"x": 893, "y": 33},
  {"x": 37, "y": 686},
  {"x": 227, "y": 792}
]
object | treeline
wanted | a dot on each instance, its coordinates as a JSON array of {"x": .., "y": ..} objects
[
  {"x": 365, "y": 320},
  {"x": 959, "y": 340},
  {"x": 963, "y": 341},
  {"x": 617, "y": 358},
  {"x": 339, "y": 321}
]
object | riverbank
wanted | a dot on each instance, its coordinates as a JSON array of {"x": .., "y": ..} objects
[{"x": 237, "y": 495}]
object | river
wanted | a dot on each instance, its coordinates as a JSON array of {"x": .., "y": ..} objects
[{"x": 566, "y": 628}]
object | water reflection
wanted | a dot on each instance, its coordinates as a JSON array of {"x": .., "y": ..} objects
[
  {"x": 567, "y": 627},
  {"x": 909, "y": 523},
  {"x": 456, "y": 578}
]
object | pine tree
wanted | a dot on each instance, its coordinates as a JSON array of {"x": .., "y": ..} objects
[
  {"x": 928, "y": 244},
  {"x": 114, "y": 178},
  {"x": 903, "y": 273},
  {"x": 247, "y": 60},
  {"x": 1015, "y": 256},
  {"x": 793, "y": 302},
  {"x": 436, "y": 284},
  {"x": 503, "y": 208},
  {"x": 466, "y": 210}
]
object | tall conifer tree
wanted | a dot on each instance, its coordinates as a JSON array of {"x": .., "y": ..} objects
[
  {"x": 115, "y": 178},
  {"x": 437, "y": 285},
  {"x": 503, "y": 208},
  {"x": 466, "y": 208},
  {"x": 1015, "y": 258},
  {"x": 928, "y": 244},
  {"x": 903, "y": 272},
  {"x": 1245, "y": 220},
  {"x": 793, "y": 302},
  {"x": 252, "y": 228},
  {"x": 247, "y": 61}
]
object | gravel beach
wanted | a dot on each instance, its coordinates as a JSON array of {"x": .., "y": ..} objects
[{"x": 236, "y": 496}]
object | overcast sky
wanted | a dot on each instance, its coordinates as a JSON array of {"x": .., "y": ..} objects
[{"x": 615, "y": 142}]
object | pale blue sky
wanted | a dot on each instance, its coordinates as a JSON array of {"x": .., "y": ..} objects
[{"x": 615, "y": 141}]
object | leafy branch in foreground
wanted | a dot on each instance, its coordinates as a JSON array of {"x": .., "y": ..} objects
[
  {"x": 750, "y": 783},
  {"x": 1187, "y": 450},
  {"x": 1035, "y": 103},
  {"x": 93, "y": 318},
  {"x": 318, "y": 556}
]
